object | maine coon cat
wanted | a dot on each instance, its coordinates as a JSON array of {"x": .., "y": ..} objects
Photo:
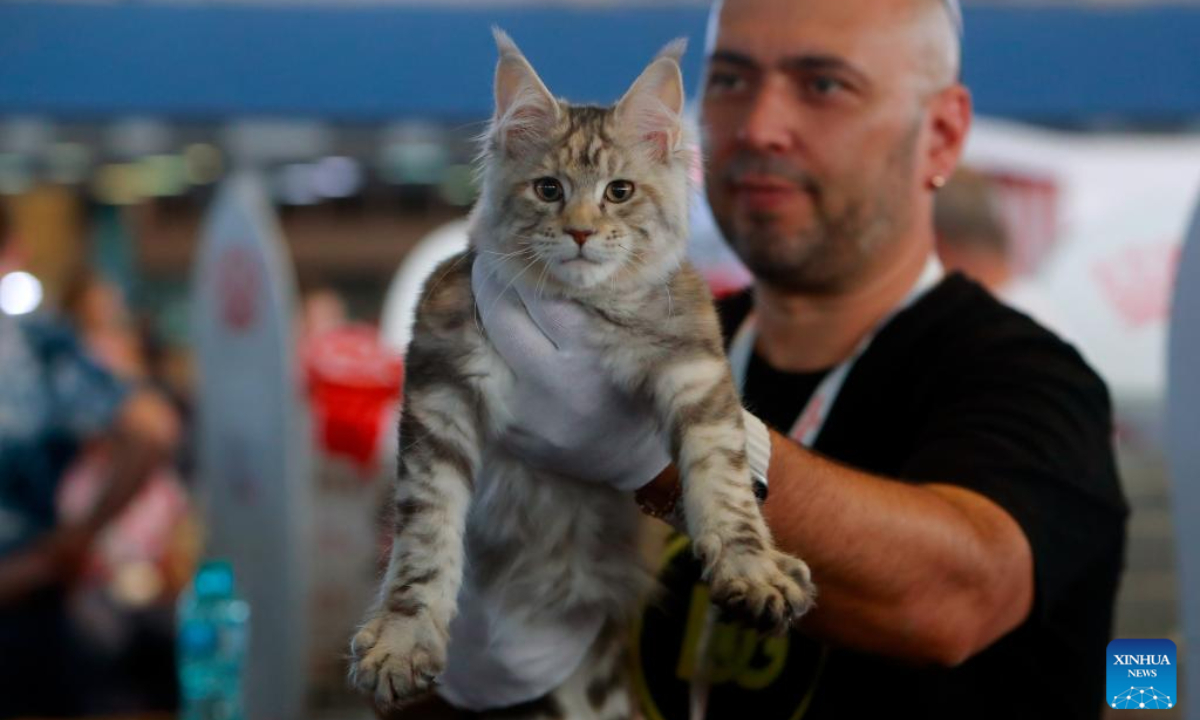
[{"x": 586, "y": 203}]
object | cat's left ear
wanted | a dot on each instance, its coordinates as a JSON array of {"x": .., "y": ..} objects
[
  {"x": 652, "y": 108},
  {"x": 526, "y": 112}
]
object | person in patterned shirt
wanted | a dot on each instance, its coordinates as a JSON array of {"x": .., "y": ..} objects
[{"x": 54, "y": 399}]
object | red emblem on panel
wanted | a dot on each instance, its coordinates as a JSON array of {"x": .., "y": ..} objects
[{"x": 239, "y": 277}]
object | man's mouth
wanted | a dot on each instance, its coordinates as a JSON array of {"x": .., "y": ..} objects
[
  {"x": 762, "y": 192},
  {"x": 764, "y": 182}
]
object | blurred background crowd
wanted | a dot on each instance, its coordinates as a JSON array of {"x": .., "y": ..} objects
[{"x": 122, "y": 125}]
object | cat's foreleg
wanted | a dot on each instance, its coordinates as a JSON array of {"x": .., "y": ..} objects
[
  {"x": 401, "y": 648},
  {"x": 698, "y": 402}
]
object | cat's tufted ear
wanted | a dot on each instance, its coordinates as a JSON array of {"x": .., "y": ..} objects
[
  {"x": 526, "y": 112},
  {"x": 652, "y": 109}
]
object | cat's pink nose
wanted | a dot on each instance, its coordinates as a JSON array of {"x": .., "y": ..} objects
[{"x": 580, "y": 236}]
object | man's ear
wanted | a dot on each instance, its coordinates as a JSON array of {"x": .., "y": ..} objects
[{"x": 950, "y": 115}]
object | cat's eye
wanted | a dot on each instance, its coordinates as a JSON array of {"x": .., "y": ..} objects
[
  {"x": 618, "y": 191},
  {"x": 548, "y": 189}
]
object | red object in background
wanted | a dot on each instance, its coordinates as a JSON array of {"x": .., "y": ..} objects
[{"x": 353, "y": 381}]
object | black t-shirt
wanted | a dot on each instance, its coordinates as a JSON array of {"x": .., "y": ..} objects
[{"x": 957, "y": 389}]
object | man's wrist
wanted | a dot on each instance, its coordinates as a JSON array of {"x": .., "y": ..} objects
[{"x": 659, "y": 498}]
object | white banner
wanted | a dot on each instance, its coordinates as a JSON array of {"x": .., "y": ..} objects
[{"x": 1097, "y": 220}]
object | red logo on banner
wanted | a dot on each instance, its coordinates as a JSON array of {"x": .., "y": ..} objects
[
  {"x": 239, "y": 278},
  {"x": 1028, "y": 206},
  {"x": 1138, "y": 281}
]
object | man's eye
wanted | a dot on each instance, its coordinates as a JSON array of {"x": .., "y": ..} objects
[
  {"x": 718, "y": 80},
  {"x": 825, "y": 85}
]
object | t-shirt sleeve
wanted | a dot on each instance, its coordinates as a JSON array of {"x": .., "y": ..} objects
[
  {"x": 1026, "y": 423},
  {"x": 84, "y": 396}
]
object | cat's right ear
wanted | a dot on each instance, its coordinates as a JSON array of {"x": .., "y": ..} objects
[
  {"x": 652, "y": 109},
  {"x": 526, "y": 112}
]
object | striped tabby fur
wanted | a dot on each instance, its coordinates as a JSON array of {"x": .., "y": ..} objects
[{"x": 556, "y": 545}]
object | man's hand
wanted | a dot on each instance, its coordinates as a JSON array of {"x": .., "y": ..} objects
[{"x": 569, "y": 417}]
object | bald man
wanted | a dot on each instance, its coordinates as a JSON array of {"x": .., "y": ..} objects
[{"x": 941, "y": 462}]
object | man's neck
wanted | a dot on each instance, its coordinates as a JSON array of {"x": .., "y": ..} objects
[{"x": 807, "y": 332}]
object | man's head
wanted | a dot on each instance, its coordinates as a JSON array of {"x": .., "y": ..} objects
[{"x": 827, "y": 124}]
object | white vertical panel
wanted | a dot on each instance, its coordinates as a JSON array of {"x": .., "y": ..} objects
[
  {"x": 1183, "y": 443},
  {"x": 254, "y": 453}
]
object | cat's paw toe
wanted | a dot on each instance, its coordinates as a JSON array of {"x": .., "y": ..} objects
[
  {"x": 396, "y": 659},
  {"x": 767, "y": 589}
]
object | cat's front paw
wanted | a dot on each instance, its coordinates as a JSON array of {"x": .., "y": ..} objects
[
  {"x": 396, "y": 658},
  {"x": 761, "y": 586}
]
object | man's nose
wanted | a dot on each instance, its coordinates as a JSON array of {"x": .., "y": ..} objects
[
  {"x": 580, "y": 236},
  {"x": 767, "y": 124}
]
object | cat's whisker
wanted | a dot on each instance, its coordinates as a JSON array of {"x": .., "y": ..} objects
[
  {"x": 523, "y": 251},
  {"x": 541, "y": 279},
  {"x": 637, "y": 254},
  {"x": 510, "y": 283},
  {"x": 438, "y": 281},
  {"x": 475, "y": 315},
  {"x": 525, "y": 236}
]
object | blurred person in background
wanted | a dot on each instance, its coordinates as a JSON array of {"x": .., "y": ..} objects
[
  {"x": 942, "y": 462},
  {"x": 124, "y": 609},
  {"x": 323, "y": 310},
  {"x": 970, "y": 234},
  {"x": 97, "y": 310},
  {"x": 54, "y": 400},
  {"x": 973, "y": 239}
]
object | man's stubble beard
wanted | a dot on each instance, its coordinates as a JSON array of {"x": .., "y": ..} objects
[{"x": 838, "y": 248}]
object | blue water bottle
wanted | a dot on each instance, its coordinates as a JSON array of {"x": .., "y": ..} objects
[{"x": 213, "y": 624}]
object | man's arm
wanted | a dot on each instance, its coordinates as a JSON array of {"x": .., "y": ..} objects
[
  {"x": 926, "y": 573},
  {"x": 922, "y": 572}
]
